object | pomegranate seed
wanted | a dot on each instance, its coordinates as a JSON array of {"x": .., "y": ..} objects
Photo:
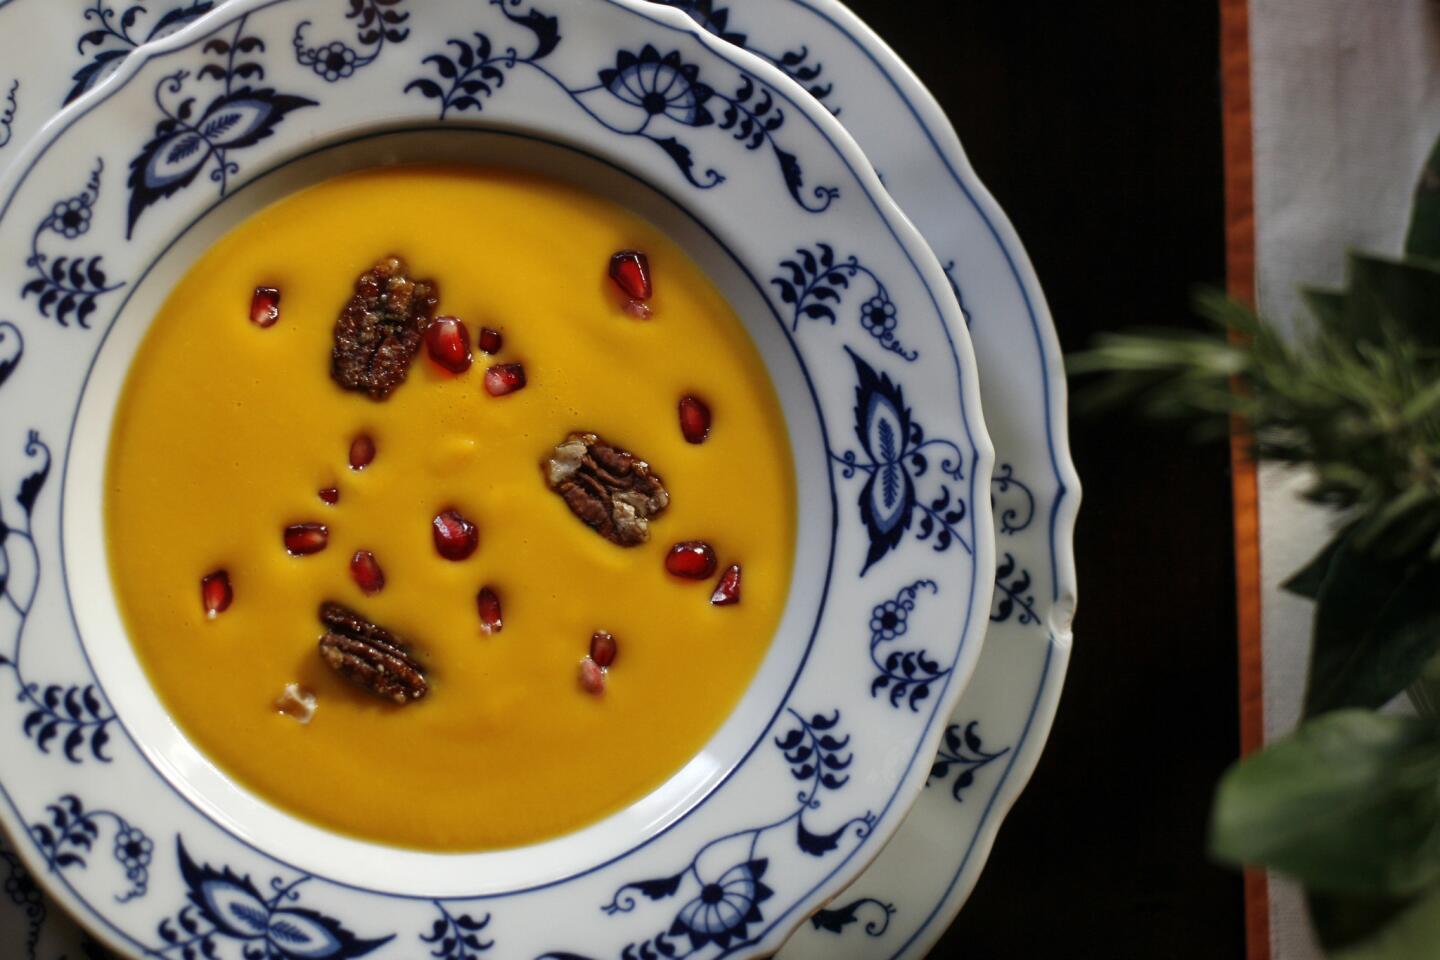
[
  {"x": 449, "y": 343},
  {"x": 490, "y": 340},
  {"x": 367, "y": 573},
  {"x": 630, "y": 269},
  {"x": 330, "y": 495},
  {"x": 592, "y": 677},
  {"x": 265, "y": 306},
  {"x": 215, "y": 593},
  {"x": 694, "y": 419},
  {"x": 455, "y": 537},
  {"x": 603, "y": 648},
  {"x": 504, "y": 378},
  {"x": 727, "y": 591},
  {"x": 693, "y": 560},
  {"x": 362, "y": 451},
  {"x": 488, "y": 603},
  {"x": 302, "y": 539},
  {"x": 638, "y": 309}
]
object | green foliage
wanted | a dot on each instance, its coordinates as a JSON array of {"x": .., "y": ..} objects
[{"x": 1349, "y": 805}]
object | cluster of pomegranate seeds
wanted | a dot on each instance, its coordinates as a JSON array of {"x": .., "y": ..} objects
[
  {"x": 603, "y": 648},
  {"x": 504, "y": 378},
  {"x": 303, "y": 539},
  {"x": 330, "y": 495},
  {"x": 455, "y": 537},
  {"x": 595, "y": 667},
  {"x": 691, "y": 559},
  {"x": 448, "y": 342},
  {"x": 215, "y": 593},
  {"x": 490, "y": 340},
  {"x": 694, "y": 419},
  {"x": 265, "y": 307},
  {"x": 365, "y": 570},
  {"x": 727, "y": 591},
  {"x": 592, "y": 677},
  {"x": 487, "y": 603},
  {"x": 362, "y": 451}
]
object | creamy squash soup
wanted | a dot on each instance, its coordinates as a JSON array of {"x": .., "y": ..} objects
[{"x": 449, "y": 507}]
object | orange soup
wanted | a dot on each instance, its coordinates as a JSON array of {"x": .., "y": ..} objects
[{"x": 232, "y": 438}]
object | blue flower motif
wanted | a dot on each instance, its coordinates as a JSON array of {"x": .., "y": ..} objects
[
  {"x": 334, "y": 61},
  {"x": 660, "y": 84},
  {"x": 71, "y": 218},
  {"x": 888, "y": 621},
  {"x": 133, "y": 849},
  {"x": 226, "y": 906},
  {"x": 877, "y": 315},
  {"x": 724, "y": 909}
]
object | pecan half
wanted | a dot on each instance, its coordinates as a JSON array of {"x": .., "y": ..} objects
[
  {"x": 381, "y": 329},
  {"x": 611, "y": 490},
  {"x": 369, "y": 656}
]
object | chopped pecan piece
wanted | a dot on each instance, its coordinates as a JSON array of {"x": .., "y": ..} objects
[
  {"x": 369, "y": 656},
  {"x": 611, "y": 490},
  {"x": 381, "y": 329}
]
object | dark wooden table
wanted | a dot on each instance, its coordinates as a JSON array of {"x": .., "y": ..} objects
[{"x": 1097, "y": 126}]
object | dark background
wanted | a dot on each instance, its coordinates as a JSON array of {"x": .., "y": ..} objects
[{"x": 1097, "y": 127}]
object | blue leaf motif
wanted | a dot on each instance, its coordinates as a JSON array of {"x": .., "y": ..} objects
[
  {"x": 235, "y": 907},
  {"x": 302, "y": 933}
]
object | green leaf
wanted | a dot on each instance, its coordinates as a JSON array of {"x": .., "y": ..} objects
[
  {"x": 1328, "y": 306},
  {"x": 1306, "y": 582},
  {"x": 1412, "y": 934},
  {"x": 1350, "y": 920},
  {"x": 1377, "y": 621},
  {"x": 1350, "y": 803},
  {"x": 1423, "y": 239},
  {"x": 1401, "y": 294}
]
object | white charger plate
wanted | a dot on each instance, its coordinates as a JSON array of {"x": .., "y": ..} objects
[
  {"x": 904, "y": 901},
  {"x": 761, "y": 833}
]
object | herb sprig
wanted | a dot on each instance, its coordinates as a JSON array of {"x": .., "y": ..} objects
[{"x": 1349, "y": 804}]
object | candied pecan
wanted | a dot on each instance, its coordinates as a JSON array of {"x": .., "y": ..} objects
[
  {"x": 369, "y": 656},
  {"x": 611, "y": 490},
  {"x": 381, "y": 329}
]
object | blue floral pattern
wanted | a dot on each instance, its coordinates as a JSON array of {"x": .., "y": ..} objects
[
  {"x": 836, "y": 919},
  {"x": 1012, "y": 593},
  {"x": 893, "y": 458},
  {"x": 964, "y": 753},
  {"x": 661, "y": 89},
  {"x": 227, "y": 908},
  {"x": 723, "y": 903},
  {"x": 376, "y": 23},
  {"x": 186, "y": 141},
  {"x": 901, "y": 672},
  {"x": 1012, "y": 501},
  {"x": 111, "y": 38},
  {"x": 814, "y": 284},
  {"x": 455, "y": 937},
  {"x": 794, "y": 63},
  {"x": 74, "y": 716},
  {"x": 68, "y": 285},
  {"x": 11, "y": 105},
  {"x": 71, "y": 832}
]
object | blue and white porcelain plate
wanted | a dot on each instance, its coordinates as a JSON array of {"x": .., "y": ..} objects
[
  {"x": 121, "y": 818},
  {"x": 54, "y": 51}
]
